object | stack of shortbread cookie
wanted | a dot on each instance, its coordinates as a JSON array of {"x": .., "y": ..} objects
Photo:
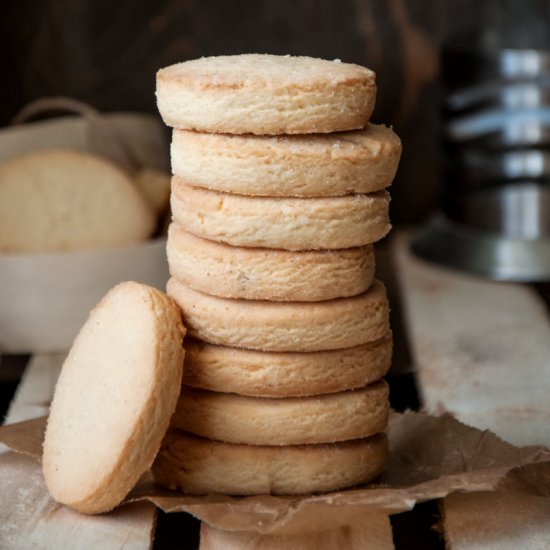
[{"x": 277, "y": 196}]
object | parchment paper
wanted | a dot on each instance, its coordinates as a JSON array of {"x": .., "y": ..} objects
[{"x": 430, "y": 457}]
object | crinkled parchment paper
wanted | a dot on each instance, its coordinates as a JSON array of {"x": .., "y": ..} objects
[{"x": 430, "y": 457}]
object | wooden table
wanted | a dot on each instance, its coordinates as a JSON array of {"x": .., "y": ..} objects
[
  {"x": 478, "y": 349},
  {"x": 481, "y": 350}
]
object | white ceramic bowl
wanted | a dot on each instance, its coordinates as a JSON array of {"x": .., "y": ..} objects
[{"x": 45, "y": 298}]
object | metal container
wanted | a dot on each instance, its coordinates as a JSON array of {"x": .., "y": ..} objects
[{"x": 495, "y": 218}]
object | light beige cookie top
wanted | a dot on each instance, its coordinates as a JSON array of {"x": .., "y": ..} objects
[
  {"x": 113, "y": 401},
  {"x": 265, "y": 94},
  {"x": 63, "y": 200},
  {"x": 317, "y": 165}
]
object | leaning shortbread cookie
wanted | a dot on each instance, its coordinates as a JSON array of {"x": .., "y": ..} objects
[
  {"x": 65, "y": 200},
  {"x": 289, "y": 421},
  {"x": 112, "y": 404},
  {"x": 265, "y": 94},
  {"x": 281, "y": 222},
  {"x": 363, "y": 161},
  {"x": 200, "y": 466},
  {"x": 261, "y": 274},
  {"x": 285, "y": 374},
  {"x": 284, "y": 326}
]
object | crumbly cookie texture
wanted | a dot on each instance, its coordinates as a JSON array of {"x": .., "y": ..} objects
[
  {"x": 284, "y": 326},
  {"x": 261, "y": 274},
  {"x": 265, "y": 94},
  {"x": 290, "y": 421},
  {"x": 281, "y": 222},
  {"x": 285, "y": 374},
  {"x": 114, "y": 398},
  {"x": 362, "y": 161},
  {"x": 201, "y": 466}
]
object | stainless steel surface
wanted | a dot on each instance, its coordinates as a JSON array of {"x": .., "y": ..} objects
[
  {"x": 496, "y": 207},
  {"x": 496, "y": 98},
  {"x": 517, "y": 95},
  {"x": 480, "y": 62},
  {"x": 528, "y": 133},
  {"x": 514, "y": 211},
  {"x": 490, "y": 255},
  {"x": 480, "y": 168},
  {"x": 518, "y": 127},
  {"x": 516, "y": 64}
]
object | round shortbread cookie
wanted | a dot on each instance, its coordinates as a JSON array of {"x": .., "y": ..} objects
[
  {"x": 284, "y": 326},
  {"x": 285, "y": 374},
  {"x": 112, "y": 404},
  {"x": 265, "y": 94},
  {"x": 281, "y": 222},
  {"x": 154, "y": 186},
  {"x": 363, "y": 161},
  {"x": 288, "y": 421},
  {"x": 196, "y": 465},
  {"x": 267, "y": 274},
  {"x": 64, "y": 200}
]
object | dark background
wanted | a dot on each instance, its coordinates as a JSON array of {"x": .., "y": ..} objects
[{"x": 107, "y": 53}]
